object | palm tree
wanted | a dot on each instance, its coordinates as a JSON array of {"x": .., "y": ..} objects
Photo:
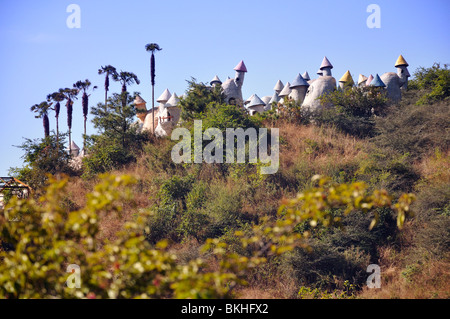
[
  {"x": 42, "y": 111},
  {"x": 69, "y": 95},
  {"x": 108, "y": 70},
  {"x": 125, "y": 78},
  {"x": 84, "y": 86},
  {"x": 56, "y": 97},
  {"x": 152, "y": 47}
]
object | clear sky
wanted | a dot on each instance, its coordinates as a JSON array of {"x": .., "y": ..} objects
[{"x": 276, "y": 39}]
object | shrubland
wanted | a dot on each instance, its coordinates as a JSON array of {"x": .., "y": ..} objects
[{"x": 353, "y": 188}]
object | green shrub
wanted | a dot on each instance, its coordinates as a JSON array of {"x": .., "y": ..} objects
[{"x": 434, "y": 80}]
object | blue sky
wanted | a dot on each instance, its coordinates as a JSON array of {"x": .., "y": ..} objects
[{"x": 276, "y": 39}]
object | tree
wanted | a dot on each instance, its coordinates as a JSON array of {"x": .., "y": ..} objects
[
  {"x": 120, "y": 139},
  {"x": 107, "y": 70},
  {"x": 125, "y": 78},
  {"x": 84, "y": 86},
  {"x": 152, "y": 47},
  {"x": 42, "y": 110},
  {"x": 197, "y": 99},
  {"x": 69, "y": 95},
  {"x": 42, "y": 157},
  {"x": 56, "y": 97}
]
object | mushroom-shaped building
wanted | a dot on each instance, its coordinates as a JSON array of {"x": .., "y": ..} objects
[
  {"x": 362, "y": 80},
  {"x": 377, "y": 82},
  {"x": 141, "y": 108},
  {"x": 402, "y": 71},
  {"x": 324, "y": 84},
  {"x": 346, "y": 81},
  {"x": 279, "y": 86},
  {"x": 232, "y": 88},
  {"x": 298, "y": 89},
  {"x": 285, "y": 91},
  {"x": 215, "y": 81},
  {"x": 369, "y": 80},
  {"x": 256, "y": 105}
]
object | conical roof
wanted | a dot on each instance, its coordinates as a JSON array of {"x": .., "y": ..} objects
[
  {"x": 361, "y": 78},
  {"x": 256, "y": 101},
  {"x": 369, "y": 79},
  {"x": 74, "y": 146},
  {"x": 347, "y": 77},
  {"x": 138, "y": 100},
  {"x": 286, "y": 90},
  {"x": 279, "y": 86},
  {"x": 275, "y": 98},
  {"x": 215, "y": 80},
  {"x": 173, "y": 101},
  {"x": 377, "y": 82},
  {"x": 401, "y": 61},
  {"x": 164, "y": 97},
  {"x": 325, "y": 64},
  {"x": 241, "y": 67},
  {"x": 306, "y": 76},
  {"x": 299, "y": 81},
  {"x": 249, "y": 99}
]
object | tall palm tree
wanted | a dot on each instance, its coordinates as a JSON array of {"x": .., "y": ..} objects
[
  {"x": 69, "y": 95},
  {"x": 125, "y": 78},
  {"x": 56, "y": 97},
  {"x": 84, "y": 86},
  {"x": 42, "y": 112},
  {"x": 152, "y": 47},
  {"x": 107, "y": 70}
]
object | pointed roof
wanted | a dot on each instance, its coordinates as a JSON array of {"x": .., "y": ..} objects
[
  {"x": 401, "y": 61},
  {"x": 326, "y": 64},
  {"x": 215, "y": 80},
  {"x": 286, "y": 90},
  {"x": 74, "y": 146},
  {"x": 249, "y": 99},
  {"x": 164, "y": 97},
  {"x": 369, "y": 79},
  {"x": 138, "y": 100},
  {"x": 279, "y": 86},
  {"x": 377, "y": 82},
  {"x": 347, "y": 77},
  {"x": 256, "y": 101},
  {"x": 362, "y": 78},
  {"x": 275, "y": 98},
  {"x": 173, "y": 101},
  {"x": 299, "y": 81},
  {"x": 306, "y": 76},
  {"x": 240, "y": 67}
]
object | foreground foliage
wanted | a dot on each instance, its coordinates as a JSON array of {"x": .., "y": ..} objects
[{"x": 41, "y": 239}]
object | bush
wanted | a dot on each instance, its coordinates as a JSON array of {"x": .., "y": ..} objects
[
  {"x": 352, "y": 110},
  {"x": 42, "y": 157},
  {"x": 434, "y": 80},
  {"x": 414, "y": 130}
]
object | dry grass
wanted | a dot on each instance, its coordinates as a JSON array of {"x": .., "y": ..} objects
[{"x": 424, "y": 280}]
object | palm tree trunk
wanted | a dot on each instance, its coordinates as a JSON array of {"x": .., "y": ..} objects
[
  {"x": 84, "y": 139},
  {"x": 57, "y": 136},
  {"x": 152, "y": 74}
]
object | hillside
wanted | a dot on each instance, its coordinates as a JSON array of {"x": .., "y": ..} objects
[{"x": 181, "y": 207}]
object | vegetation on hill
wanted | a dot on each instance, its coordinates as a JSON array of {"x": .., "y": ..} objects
[{"x": 353, "y": 188}]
